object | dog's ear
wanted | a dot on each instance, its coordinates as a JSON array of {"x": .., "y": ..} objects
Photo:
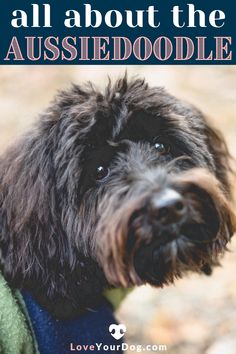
[
  {"x": 223, "y": 169},
  {"x": 222, "y": 159},
  {"x": 225, "y": 173},
  {"x": 30, "y": 216},
  {"x": 32, "y": 234}
]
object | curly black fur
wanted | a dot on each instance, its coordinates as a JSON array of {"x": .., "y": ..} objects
[{"x": 66, "y": 234}]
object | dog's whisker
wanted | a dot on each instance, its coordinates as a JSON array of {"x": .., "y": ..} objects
[{"x": 172, "y": 164}]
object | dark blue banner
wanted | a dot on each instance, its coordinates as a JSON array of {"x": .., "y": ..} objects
[{"x": 118, "y": 32}]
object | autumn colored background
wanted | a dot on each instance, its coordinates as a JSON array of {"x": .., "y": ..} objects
[{"x": 198, "y": 314}]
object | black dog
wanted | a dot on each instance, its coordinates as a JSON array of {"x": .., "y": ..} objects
[{"x": 115, "y": 189}]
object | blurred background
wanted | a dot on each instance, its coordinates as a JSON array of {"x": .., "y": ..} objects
[{"x": 198, "y": 314}]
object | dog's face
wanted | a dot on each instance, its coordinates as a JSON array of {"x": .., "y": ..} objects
[
  {"x": 126, "y": 187},
  {"x": 153, "y": 193}
]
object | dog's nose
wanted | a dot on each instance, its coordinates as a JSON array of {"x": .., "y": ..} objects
[{"x": 167, "y": 206}]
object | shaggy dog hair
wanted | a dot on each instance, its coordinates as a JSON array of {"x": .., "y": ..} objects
[{"x": 120, "y": 188}]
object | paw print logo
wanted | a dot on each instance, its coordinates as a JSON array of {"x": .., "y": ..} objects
[{"x": 117, "y": 331}]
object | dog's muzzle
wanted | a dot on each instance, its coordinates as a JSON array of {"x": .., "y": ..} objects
[
  {"x": 159, "y": 234},
  {"x": 183, "y": 226}
]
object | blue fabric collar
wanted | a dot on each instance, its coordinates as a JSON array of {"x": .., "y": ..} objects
[{"x": 56, "y": 336}]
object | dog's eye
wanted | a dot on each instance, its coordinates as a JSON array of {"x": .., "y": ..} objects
[
  {"x": 101, "y": 173},
  {"x": 162, "y": 148}
]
